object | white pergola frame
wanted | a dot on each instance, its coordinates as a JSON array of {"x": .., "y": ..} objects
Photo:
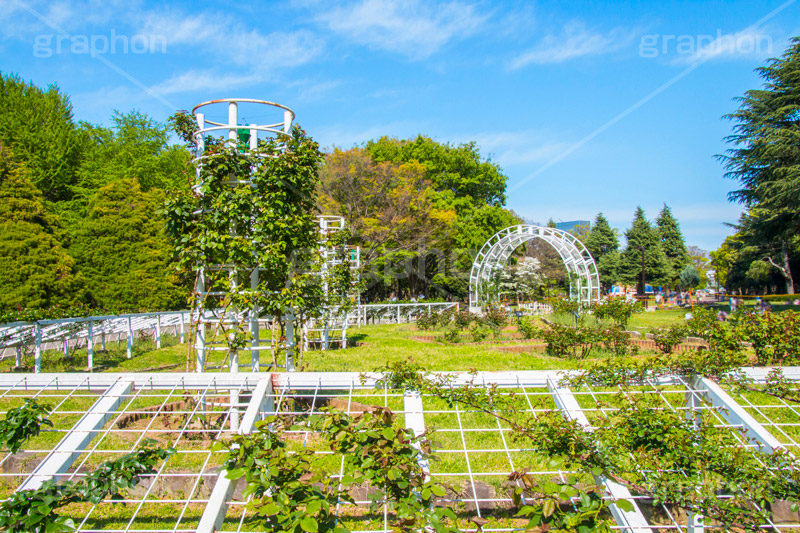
[
  {"x": 494, "y": 254},
  {"x": 92, "y": 433}
]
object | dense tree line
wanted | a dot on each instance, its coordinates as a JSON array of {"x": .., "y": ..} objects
[
  {"x": 83, "y": 222},
  {"x": 80, "y": 206},
  {"x": 661, "y": 245}
]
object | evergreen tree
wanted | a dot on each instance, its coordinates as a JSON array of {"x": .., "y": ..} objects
[
  {"x": 36, "y": 272},
  {"x": 603, "y": 244},
  {"x": 602, "y": 238},
  {"x": 765, "y": 160},
  {"x": 640, "y": 235},
  {"x": 672, "y": 243},
  {"x": 123, "y": 252},
  {"x": 37, "y": 125}
]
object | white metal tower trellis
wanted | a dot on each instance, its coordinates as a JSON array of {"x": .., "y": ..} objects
[
  {"x": 244, "y": 137},
  {"x": 331, "y": 327},
  {"x": 492, "y": 258}
]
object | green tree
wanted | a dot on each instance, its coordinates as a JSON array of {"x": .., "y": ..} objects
[
  {"x": 765, "y": 157},
  {"x": 123, "y": 252},
  {"x": 669, "y": 232},
  {"x": 642, "y": 235},
  {"x": 458, "y": 170},
  {"x": 37, "y": 125},
  {"x": 36, "y": 272},
  {"x": 603, "y": 243},
  {"x": 135, "y": 147},
  {"x": 689, "y": 278}
]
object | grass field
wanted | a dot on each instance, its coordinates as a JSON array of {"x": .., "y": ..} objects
[{"x": 371, "y": 347}]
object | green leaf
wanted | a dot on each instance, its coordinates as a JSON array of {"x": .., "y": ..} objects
[
  {"x": 625, "y": 505},
  {"x": 438, "y": 490},
  {"x": 309, "y": 524},
  {"x": 548, "y": 507}
]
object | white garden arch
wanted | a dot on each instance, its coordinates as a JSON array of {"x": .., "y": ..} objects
[{"x": 492, "y": 257}]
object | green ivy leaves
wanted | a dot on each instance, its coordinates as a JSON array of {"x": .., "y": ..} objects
[
  {"x": 34, "y": 511},
  {"x": 22, "y": 423}
]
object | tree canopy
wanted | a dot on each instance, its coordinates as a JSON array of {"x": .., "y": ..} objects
[
  {"x": 36, "y": 272},
  {"x": 37, "y": 124},
  {"x": 122, "y": 250},
  {"x": 458, "y": 170},
  {"x": 764, "y": 160},
  {"x": 669, "y": 233},
  {"x": 642, "y": 235},
  {"x": 603, "y": 243}
]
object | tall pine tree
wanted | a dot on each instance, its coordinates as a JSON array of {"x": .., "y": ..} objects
[
  {"x": 765, "y": 161},
  {"x": 669, "y": 232},
  {"x": 603, "y": 244},
  {"x": 36, "y": 272},
  {"x": 640, "y": 235}
]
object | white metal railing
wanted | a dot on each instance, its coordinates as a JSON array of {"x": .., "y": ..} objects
[
  {"x": 71, "y": 333},
  {"x": 396, "y": 313}
]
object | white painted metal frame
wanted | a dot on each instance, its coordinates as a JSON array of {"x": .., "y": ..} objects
[
  {"x": 492, "y": 258},
  {"x": 471, "y": 447},
  {"x": 229, "y": 127},
  {"x": 72, "y": 333}
]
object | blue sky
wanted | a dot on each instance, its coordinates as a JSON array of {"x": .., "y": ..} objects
[{"x": 586, "y": 106}]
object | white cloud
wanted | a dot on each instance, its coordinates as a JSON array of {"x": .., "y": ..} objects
[
  {"x": 412, "y": 28},
  {"x": 204, "y": 80},
  {"x": 575, "y": 41},
  {"x": 227, "y": 39},
  {"x": 241, "y": 56},
  {"x": 514, "y": 148}
]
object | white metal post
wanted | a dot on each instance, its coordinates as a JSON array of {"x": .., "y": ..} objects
[
  {"x": 158, "y": 331},
  {"x": 18, "y": 356},
  {"x": 200, "y": 333},
  {"x": 233, "y": 121},
  {"x": 634, "y": 521},
  {"x": 261, "y": 402},
  {"x": 103, "y": 340},
  {"x": 287, "y": 121},
  {"x": 694, "y": 521},
  {"x": 255, "y": 351},
  {"x": 129, "y": 339},
  {"x": 78, "y": 438},
  {"x": 290, "y": 343},
  {"x": 66, "y": 348},
  {"x": 90, "y": 346},
  {"x": 37, "y": 353},
  {"x": 182, "y": 329}
]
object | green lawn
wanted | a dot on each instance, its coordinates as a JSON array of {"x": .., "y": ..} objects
[{"x": 371, "y": 347}]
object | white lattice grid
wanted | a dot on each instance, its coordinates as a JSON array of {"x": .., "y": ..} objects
[{"x": 100, "y": 417}]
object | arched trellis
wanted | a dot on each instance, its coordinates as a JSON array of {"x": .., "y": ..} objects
[{"x": 580, "y": 264}]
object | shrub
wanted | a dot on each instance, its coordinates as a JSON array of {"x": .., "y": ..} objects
[
  {"x": 775, "y": 336},
  {"x": 495, "y": 318},
  {"x": 572, "y": 342},
  {"x": 528, "y": 328},
  {"x": 667, "y": 337},
  {"x": 618, "y": 310},
  {"x": 444, "y": 317},
  {"x": 452, "y": 335},
  {"x": 616, "y": 340},
  {"x": 427, "y": 320},
  {"x": 463, "y": 318},
  {"x": 479, "y": 331}
]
